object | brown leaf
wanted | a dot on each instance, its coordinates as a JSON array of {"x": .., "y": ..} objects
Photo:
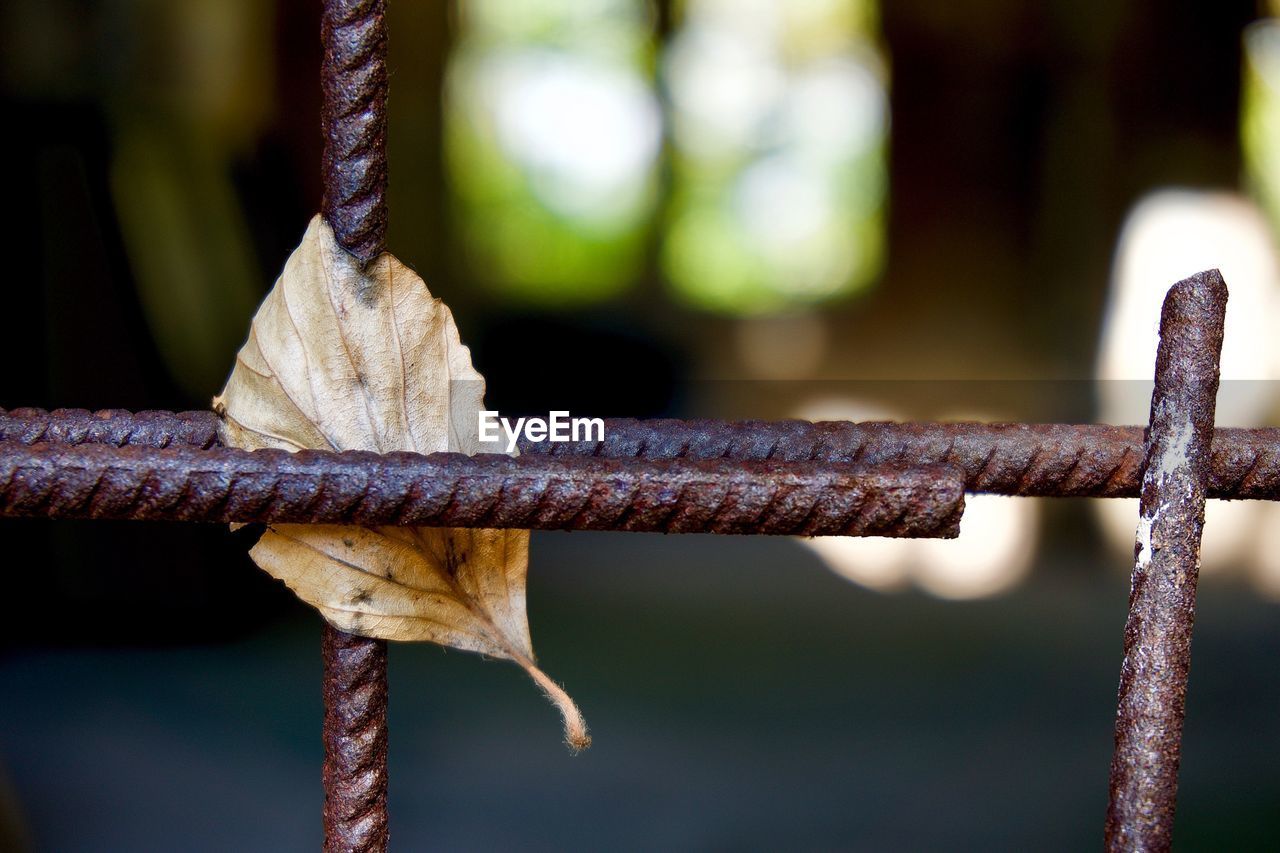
[{"x": 345, "y": 358}]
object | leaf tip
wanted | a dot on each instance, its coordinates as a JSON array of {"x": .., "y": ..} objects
[
  {"x": 575, "y": 729},
  {"x": 576, "y": 735},
  {"x": 578, "y": 741}
]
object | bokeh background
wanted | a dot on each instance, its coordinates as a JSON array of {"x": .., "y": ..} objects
[{"x": 734, "y": 208}]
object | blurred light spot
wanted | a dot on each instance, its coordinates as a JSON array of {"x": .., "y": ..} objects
[
  {"x": 1265, "y": 563},
  {"x": 993, "y": 553},
  {"x": 786, "y": 346},
  {"x": 585, "y": 133},
  {"x": 553, "y": 132},
  {"x": 827, "y": 134},
  {"x": 1260, "y": 114},
  {"x": 723, "y": 87},
  {"x": 556, "y": 21},
  {"x": 840, "y": 408},
  {"x": 1168, "y": 236},
  {"x": 779, "y": 117},
  {"x": 874, "y": 562}
]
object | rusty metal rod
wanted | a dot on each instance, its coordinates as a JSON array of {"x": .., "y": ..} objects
[
  {"x": 1050, "y": 460},
  {"x": 117, "y": 427},
  {"x": 355, "y": 738},
  {"x": 1034, "y": 460},
  {"x": 1162, "y": 603},
  {"x": 452, "y": 490},
  {"x": 353, "y": 78},
  {"x": 354, "y": 118}
]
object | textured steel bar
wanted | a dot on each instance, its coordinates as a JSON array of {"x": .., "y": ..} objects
[
  {"x": 452, "y": 490},
  {"x": 1057, "y": 460},
  {"x": 355, "y": 736},
  {"x": 1162, "y": 603},
  {"x": 353, "y": 77},
  {"x": 117, "y": 427},
  {"x": 1035, "y": 460},
  {"x": 354, "y": 116}
]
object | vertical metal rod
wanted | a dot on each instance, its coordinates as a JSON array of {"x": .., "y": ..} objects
[
  {"x": 355, "y": 742},
  {"x": 354, "y": 119},
  {"x": 1157, "y": 639}
]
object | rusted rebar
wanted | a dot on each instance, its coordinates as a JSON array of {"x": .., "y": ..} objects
[
  {"x": 353, "y": 78},
  {"x": 1047, "y": 460},
  {"x": 1162, "y": 602},
  {"x": 487, "y": 491},
  {"x": 354, "y": 117},
  {"x": 355, "y": 737},
  {"x": 1034, "y": 460},
  {"x": 116, "y": 427}
]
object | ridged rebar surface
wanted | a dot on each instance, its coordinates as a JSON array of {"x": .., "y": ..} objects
[
  {"x": 452, "y": 490},
  {"x": 355, "y": 736},
  {"x": 1060, "y": 460},
  {"x": 116, "y": 427},
  {"x": 354, "y": 116},
  {"x": 353, "y": 78},
  {"x": 1162, "y": 603},
  {"x": 1050, "y": 460}
]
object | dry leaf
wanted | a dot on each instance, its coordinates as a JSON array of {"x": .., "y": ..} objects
[{"x": 341, "y": 358}]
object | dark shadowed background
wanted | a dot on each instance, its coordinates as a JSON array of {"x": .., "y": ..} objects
[{"x": 734, "y": 208}]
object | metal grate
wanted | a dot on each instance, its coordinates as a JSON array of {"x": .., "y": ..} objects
[{"x": 676, "y": 476}]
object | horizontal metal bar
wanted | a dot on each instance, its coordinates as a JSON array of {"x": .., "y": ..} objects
[
  {"x": 451, "y": 490},
  {"x": 117, "y": 427},
  {"x": 1035, "y": 460},
  {"x": 1050, "y": 460}
]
